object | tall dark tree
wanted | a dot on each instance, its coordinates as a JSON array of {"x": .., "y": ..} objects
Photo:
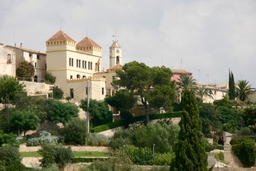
[
  {"x": 189, "y": 151},
  {"x": 231, "y": 84}
]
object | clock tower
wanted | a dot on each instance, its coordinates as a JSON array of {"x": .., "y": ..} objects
[{"x": 115, "y": 54}]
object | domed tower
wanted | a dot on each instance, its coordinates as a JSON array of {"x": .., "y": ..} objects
[{"x": 115, "y": 52}]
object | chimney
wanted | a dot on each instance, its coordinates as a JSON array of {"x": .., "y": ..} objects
[{"x": 20, "y": 45}]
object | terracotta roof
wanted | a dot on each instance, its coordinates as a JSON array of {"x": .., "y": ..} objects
[
  {"x": 115, "y": 44},
  {"x": 87, "y": 42},
  {"x": 117, "y": 66},
  {"x": 180, "y": 71},
  {"x": 60, "y": 35}
]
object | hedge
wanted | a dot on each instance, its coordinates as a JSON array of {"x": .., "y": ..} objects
[{"x": 135, "y": 119}]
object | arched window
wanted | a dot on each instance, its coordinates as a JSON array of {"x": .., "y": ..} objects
[
  {"x": 35, "y": 78},
  {"x": 77, "y": 76},
  {"x": 71, "y": 77}
]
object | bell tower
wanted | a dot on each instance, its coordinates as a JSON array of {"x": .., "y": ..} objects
[{"x": 115, "y": 54}]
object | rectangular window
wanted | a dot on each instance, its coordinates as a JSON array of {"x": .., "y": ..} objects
[
  {"x": 102, "y": 90},
  {"x": 72, "y": 63},
  {"x": 9, "y": 59},
  {"x": 85, "y": 63},
  {"x": 35, "y": 65},
  {"x": 30, "y": 55},
  {"x": 38, "y": 56},
  {"x": 89, "y": 65},
  {"x": 77, "y": 63}
]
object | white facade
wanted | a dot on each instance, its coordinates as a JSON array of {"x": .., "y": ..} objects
[
  {"x": 36, "y": 58},
  {"x": 73, "y": 64},
  {"x": 7, "y": 61},
  {"x": 115, "y": 54},
  {"x": 218, "y": 92}
]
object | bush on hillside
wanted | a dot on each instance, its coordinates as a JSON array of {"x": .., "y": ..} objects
[
  {"x": 97, "y": 140},
  {"x": 75, "y": 132},
  {"x": 53, "y": 154},
  {"x": 9, "y": 139},
  {"x": 44, "y": 138},
  {"x": 9, "y": 154},
  {"x": 245, "y": 150},
  {"x": 163, "y": 136}
]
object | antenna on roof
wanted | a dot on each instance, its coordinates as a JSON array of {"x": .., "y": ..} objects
[
  {"x": 14, "y": 37},
  {"x": 115, "y": 36}
]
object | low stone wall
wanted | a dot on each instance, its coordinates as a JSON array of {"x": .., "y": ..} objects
[{"x": 24, "y": 148}]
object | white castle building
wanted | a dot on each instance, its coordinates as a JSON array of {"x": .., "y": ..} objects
[{"x": 77, "y": 66}]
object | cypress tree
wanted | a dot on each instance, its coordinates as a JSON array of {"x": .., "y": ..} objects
[
  {"x": 231, "y": 84},
  {"x": 190, "y": 154}
]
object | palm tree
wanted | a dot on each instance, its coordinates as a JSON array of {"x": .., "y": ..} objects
[
  {"x": 203, "y": 91},
  {"x": 187, "y": 82},
  {"x": 243, "y": 89}
]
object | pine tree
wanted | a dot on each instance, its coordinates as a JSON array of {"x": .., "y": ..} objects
[
  {"x": 231, "y": 84},
  {"x": 190, "y": 154}
]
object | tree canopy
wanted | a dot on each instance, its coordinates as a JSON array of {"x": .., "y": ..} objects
[
  {"x": 62, "y": 112},
  {"x": 123, "y": 100},
  {"x": 25, "y": 69},
  {"x": 151, "y": 85},
  {"x": 243, "y": 89},
  {"x": 186, "y": 82},
  {"x": 9, "y": 89},
  {"x": 98, "y": 110},
  {"x": 203, "y": 91},
  {"x": 24, "y": 121}
]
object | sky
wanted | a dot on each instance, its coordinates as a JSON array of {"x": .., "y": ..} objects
[{"x": 205, "y": 37}]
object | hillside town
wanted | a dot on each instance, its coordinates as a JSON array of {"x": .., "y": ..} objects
[{"x": 78, "y": 73}]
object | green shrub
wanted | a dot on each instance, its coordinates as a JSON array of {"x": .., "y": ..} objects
[
  {"x": 9, "y": 154},
  {"x": 140, "y": 156},
  {"x": 8, "y": 139},
  {"x": 16, "y": 167},
  {"x": 97, "y": 140},
  {"x": 245, "y": 150},
  {"x": 118, "y": 162},
  {"x": 53, "y": 154},
  {"x": 134, "y": 119},
  {"x": 75, "y": 131},
  {"x": 245, "y": 131},
  {"x": 121, "y": 138},
  {"x": 163, "y": 158},
  {"x": 44, "y": 138}
]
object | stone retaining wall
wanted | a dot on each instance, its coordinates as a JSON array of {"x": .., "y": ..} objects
[{"x": 24, "y": 148}]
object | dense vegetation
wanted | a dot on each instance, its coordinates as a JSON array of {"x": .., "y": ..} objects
[{"x": 142, "y": 142}]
